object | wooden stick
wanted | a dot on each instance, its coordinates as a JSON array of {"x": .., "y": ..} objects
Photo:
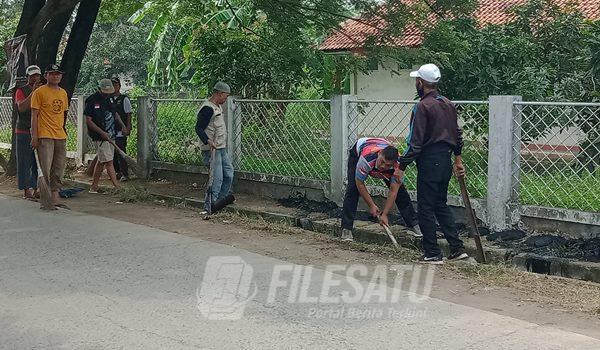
[
  {"x": 43, "y": 186},
  {"x": 471, "y": 218},
  {"x": 390, "y": 235}
]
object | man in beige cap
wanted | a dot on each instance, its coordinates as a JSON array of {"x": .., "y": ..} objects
[
  {"x": 212, "y": 131},
  {"x": 101, "y": 119}
]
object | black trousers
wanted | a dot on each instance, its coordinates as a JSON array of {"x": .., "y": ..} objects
[
  {"x": 403, "y": 201},
  {"x": 120, "y": 163},
  {"x": 434, "y": 168}
]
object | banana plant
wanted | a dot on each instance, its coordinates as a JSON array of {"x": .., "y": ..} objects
[{"x": 174, "y": 31}]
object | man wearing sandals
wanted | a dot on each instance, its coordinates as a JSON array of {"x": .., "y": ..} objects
[{"x": 101, "y": 118}]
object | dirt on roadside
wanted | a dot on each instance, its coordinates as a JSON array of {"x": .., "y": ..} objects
[{"x": 563, "y": 303}]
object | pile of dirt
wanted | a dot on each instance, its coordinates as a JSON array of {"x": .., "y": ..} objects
[
  {"x": 299, "y": 201},
  {"x": 580, "y": 249},
  {"x": 549, "y": 245},
  {"x": 517, "y": 240}
]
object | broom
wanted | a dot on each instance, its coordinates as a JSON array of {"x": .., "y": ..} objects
[
  {"x": 131, "y": 163},
  {"x": 43, "y": 187}
]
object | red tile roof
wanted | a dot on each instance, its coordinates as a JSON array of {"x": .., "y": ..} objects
[{"x": 353, "y": 34}]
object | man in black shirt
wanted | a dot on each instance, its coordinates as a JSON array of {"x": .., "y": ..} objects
[
  {"x": 101, "y": 118},
  {"x": 434, "y": 136},
  {"x": 122, "y": 105}
]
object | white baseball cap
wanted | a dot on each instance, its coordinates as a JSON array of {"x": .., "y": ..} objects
[
  {"x": 31, "y": 70},
  {"x": 428, "y": 72}
]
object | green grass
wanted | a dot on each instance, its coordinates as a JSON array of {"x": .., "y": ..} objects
[
  {"x": 177, "y": 141},
  {"x": 5, "y": 135}
]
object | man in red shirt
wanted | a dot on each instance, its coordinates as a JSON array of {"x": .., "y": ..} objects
[
  {"x": 27, "y": 171},
  {"x": 377, "y": 158}
]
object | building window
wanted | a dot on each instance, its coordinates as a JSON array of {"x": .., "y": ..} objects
[{"x": 372, "y": 63}]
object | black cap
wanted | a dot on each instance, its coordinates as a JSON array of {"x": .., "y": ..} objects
[
  {"x": 116, "y": 80},
  {"x": 53, "y": 68}
]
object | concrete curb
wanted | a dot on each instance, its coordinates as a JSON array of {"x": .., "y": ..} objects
[{"x": 371, "y": 233}]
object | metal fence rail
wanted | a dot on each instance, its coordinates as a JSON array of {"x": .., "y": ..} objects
[
  {"x": 559, "y": 155},
  {"x": 391, "y": 120},
  {"x": 280, "y": 137}
]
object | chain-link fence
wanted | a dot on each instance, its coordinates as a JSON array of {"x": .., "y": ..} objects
[
  {"x": 556, "y": 156},
  {"x": 71, "y": 126},
  {"x": 173, "y": 135},
  {"x": 6, "y": 110},
  {"x": 290, "y": 138},
  {"x": 391, "y": 120},
  {"x": 5, "y": 119},
  {"x": 559, "y": 152}
]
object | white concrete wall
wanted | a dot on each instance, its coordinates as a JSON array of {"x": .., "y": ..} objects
[
  {"x": 386, "y": 83},
  {"x": 392, "y": 120}
]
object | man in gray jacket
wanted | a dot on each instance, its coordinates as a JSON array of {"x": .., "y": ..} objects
[{"x": 212, "y": 130}]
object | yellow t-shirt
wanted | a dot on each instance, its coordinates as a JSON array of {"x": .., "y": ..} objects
[{"x": 52, "y": 105}]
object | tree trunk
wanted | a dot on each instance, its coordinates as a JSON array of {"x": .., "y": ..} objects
[
  {"x": 30, "y": 9},
  {"x": 51, "y": 10},
  {"x": 77, "y": 43},
  {"x": 44, "y": 22},
  {"x": 51, "y": 38}
]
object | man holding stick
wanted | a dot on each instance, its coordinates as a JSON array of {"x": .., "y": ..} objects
[
  {"x": 212, "y": 131},
  {"x": 378, "y": 158},
  {"x": 101, "y": 119},
  {"x": 49, "y": 106},
  {"x": 434, "y": 136}
]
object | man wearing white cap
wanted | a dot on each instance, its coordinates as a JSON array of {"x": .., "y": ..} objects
[
  {"x": 27, "y": 171},
  {"x": 434, "y": 136}
]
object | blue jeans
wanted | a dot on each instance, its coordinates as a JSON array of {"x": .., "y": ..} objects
[
  {"x": 222, "y": 173},
  {"x": 27, "y": 171}
]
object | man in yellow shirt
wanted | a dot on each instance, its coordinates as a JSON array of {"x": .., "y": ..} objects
[{"x": 49, "y": 106}]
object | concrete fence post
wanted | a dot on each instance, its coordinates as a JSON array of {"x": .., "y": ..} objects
[
  {"x": 81, "y": 132},
  {"x": 144, "y": 136},
  {"x": 503, "y": 162},
  {"x": 340, "y": 120},
  {"x": 233, "y": 116}
]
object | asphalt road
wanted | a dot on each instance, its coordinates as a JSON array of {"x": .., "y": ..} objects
[{"x": 74, "y": 281}]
